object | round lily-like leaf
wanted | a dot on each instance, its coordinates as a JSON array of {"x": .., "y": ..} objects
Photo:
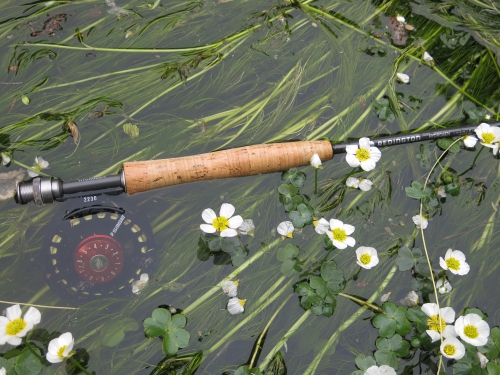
[
  {"x": 391, "y": 349},
  {"x": 288, "y": 252},
  {"x": 364, "y": 362},
  {"x": 319, "y": 285},
  {"x": 294, "y": 177},
  {"x": 287, "y": 190},
  {"x": 114, "y": 333},
  {"x": 170, "y": 328},
  {"x": 392, "y": 320},
  {"x": 332, "y": 276}
]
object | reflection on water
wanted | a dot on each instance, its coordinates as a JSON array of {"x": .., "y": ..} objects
[{"x": 151, "y": 80}]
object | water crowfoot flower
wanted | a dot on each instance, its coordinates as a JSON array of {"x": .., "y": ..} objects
[
  {"x": 428, "y": 58},
  {"x": 382, "y": 370},
  {"x": 400, "y": 18},
  {"x": 337, "y": 231},
  {"x": 40, "y": 164},
  {"x": 235, "y": 305},
  {"x": 316, "y": 162},
  {"x": 420, "y": 221},
  {"x": 352, "y": 182},
  {"x": 483, "y": 361},
  {"x": 364, "y": 155},
  {"x": 436, "y": 325},
  {"x": 469, "y": 141},
  {"x": 367, "y": 257},
  {"x": 454, "y": 260},
  {"x": 225, "y": 223},
  {"x": 286, "y": 229},
  {"x": 452, "y": 348},
  {"x": 247, "y": 227},
  {"x": 472, "y": 329},
  {"x": 443, "y": 287},
  {"x": 138, "y": 285},
  {"x": 61, "y": 348},
  {"x": 404, "y": 78},
  {"x": 365, "y": 184},
  {"x": 5, "y": 158},
  {"x": 3, "y": 371},
  {"x": 489, "y": 136},
  {"x": 13, "y": 327},
  {"x": 230, "y": 288}
]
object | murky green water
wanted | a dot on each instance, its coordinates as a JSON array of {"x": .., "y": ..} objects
[{"x": 198, "y": 76}]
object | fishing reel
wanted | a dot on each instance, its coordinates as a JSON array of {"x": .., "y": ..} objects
[{"x": 96, "y": 248}]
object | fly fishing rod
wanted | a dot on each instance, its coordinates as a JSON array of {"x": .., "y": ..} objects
[{"x": 148, "y": 175}]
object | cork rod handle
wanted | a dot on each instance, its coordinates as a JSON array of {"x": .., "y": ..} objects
[{"x": 244, "y": 161}]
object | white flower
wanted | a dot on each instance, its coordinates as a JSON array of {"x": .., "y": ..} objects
[
  {"x": 472, "y": 329},
  {"x": 61, "y": 348},
  {"x": 337, "y": 231},
  {"x": 235, "y": 305},
  {"x": 435, "y": 325},
  {"x": 3, "y": 371},
  {"x": 247, "y": 227},
  {"x": 400, "y": 18},
  {"x": 487, "y": 117},
  {"x": 321, "y": 226},
  {"x": 483, "y": 361},
  {"x": 352, "y": 182},
  {"x": 428, "y": 58},
  {"x": 138, "y": 285},
  {"x": 441, "y": 192},
  {"x": 443, "y": 287},
  {"x": 286, "y": 229},
  {"x": 230, "y": 288},
  {"x": 367, "y": 257},
  {"x": 454, "y": 260},
  {"x": 382, "y": 370},
  {"x": 489, "y": 136},
  {"x": 363, "y": 156},
  {"x": 469, "y": 141},
  {"x": 316, "y": 162},
  {"x": 13, "y": 327},
  {"x": 452, "y": 348},
  {"x": 420, "y": 221},
  {"x": 411, "y": 299},
  {"x": 225, "y": 223},
  {"x": 404, "y": 78},
  {"x": 40, "y": 164},
  {"x": 5, "y": 158},
  {"x": 365, "y": 184}
]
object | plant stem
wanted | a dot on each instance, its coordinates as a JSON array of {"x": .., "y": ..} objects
[
  {"x": 77, "y": 364},
  {"x": 266, "y": 328},
  {"x": 361, "y": 302},
  {"x": 30, "y": 348},
  {"x": 316, "y": 181},
  {"x": 44, "y": 306}
]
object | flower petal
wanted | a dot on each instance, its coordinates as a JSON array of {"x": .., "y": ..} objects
[
  {"x": 207, "y": 228},
  {"x": 322, "y": 226},
  {"x": 375, "y": 154},
  {"x": 53, "y": 358},
  {"x": 448, "y": 314},
  {"x": 352, "y": 160},
  {"x": 435, "y": 336},
  {"x": 349, "y": 229},
  {"x": 430, "y": 309},
  {"x": 235, "y": 222},
  {"x": 364, "y": 142},
  {"x": 227, "y": 210},
  {"x": 334, "y": 223},
  {"x": 368, "y": 165},
  {"x": 228, "y": 233},
  {"x": 208, "y": 215},
  {"x": 351, "y": 149},
  {"x": 13, "y": 312},
  {"x": 349, "y": 241},
  {"x": 33, "y": 315}
]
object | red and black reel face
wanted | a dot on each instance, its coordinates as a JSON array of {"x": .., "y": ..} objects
[{"x": 97, "y": 253}]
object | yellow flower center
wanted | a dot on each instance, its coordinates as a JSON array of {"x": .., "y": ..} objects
[
  {"x": 242, "y": 302},
  {"x": 365, "y": 258},
  {"x": 339, "y": 234},
  {"x": 488, "y": 137},
  {"x": 236, "y": 283},
  {"x": 60, "y": 352},
  {"x": 471, "y": 331},
  {"x": 433, "y": 323},
  {"x": 15, "y": 326},
  {"x": 453, "y": 264},
  {"x": 363, "y": 154},
  {"x": 220, "y": 223},
  {"x": 289, "y": 235},
  {"x": 449, "y": 349}
]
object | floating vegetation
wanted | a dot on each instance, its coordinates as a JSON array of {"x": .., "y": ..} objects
[{"x": 381, "y": 261}]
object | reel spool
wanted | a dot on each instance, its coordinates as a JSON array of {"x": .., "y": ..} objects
[{"x": 97, "y": 251}]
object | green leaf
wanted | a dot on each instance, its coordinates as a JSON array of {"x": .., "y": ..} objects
[
  {"x": 294, "y": 177},
  {"x": 333, "y": 276},
  {"x": 287, "y": 268},
  {"x": 405, "y": 260},
  {"x": 25, "y": 99},
  {"x": 444, "y": 143},
  {"x": 319, "y": 285},
  {"x": 114, "y": 333},
  {"x": 415, "y": 314},
  {"x": 27, "y": 364},
  {"x": 162, "y": 324},
  {"x": 132, "y": 130},
  {"x": 302, "y": 216},
  {"x": 287, "y": 190},
  {"x": 493, "y": 368},
  {"x": 390, "y": 349},
  {"x": 288, "y": 252},
  {"x": 415, "y": 191},
  {"x": 392, "y": 320},
  {"x": 364, "y": 362}
]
